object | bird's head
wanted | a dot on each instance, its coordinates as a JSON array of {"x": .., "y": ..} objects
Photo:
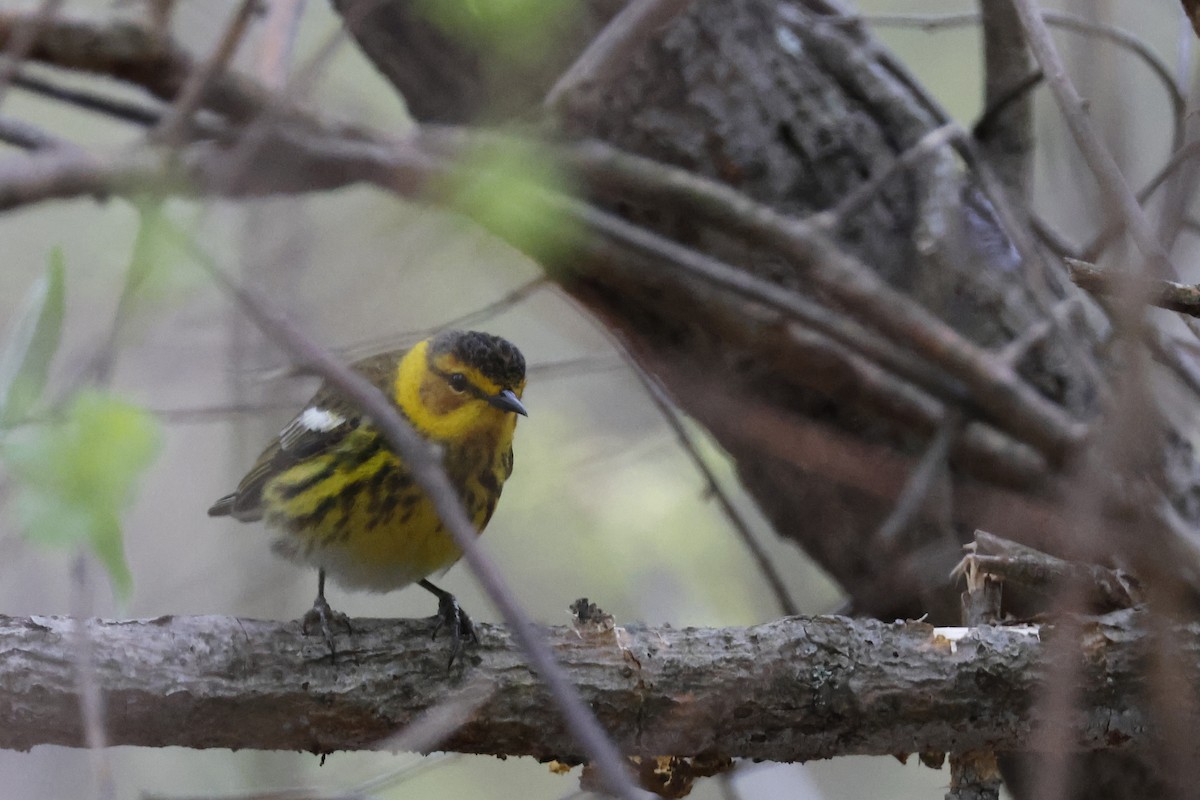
[{"x": 461, "y": 383}]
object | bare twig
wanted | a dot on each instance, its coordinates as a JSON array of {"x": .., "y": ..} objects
[
  {"x": 1184, "y": 298},
  {"x": 173, "y": 126},
  {"x": 934, "y": 464},
  {"x": 1166, "y": 350},
  {"x": 280, "y": 28},
  {"x": 1060, "y": 696},
  {"x": 813, "y": 358},
  {"x": 137, "y": 113},
  {"x": 879, "y": 473},
  {"x": 257, "y": 135},
  {"x": 487, "y": 312},
  {"x": 868, "y": 191},
  {"x": 796, "y": 306},
  {"x": 894, "y": 312},
  {"x": 1044, "y": 277},
  {"x": 983, "y": 127},
  {"x": 59, "y": 174},
  {"x": 763, "y": 561},
  {"x": 1011, "y": 220},
  {"x": 1016, "y": 350},
  {"x": 1095, "y": 153},
  {"x": 1105, "y": 589},
  {"x": 28, "y": 137},
  {"x": 1181, "y": 157},
  {"x": 21, "y": 40},
  {"x": 207, "y": 414},
  {"x": 1118, "y": 36},
  {"x": 127, "y": 51},
  {"x": 1070, "y": 22},
  {"x": 1140, "y": 49}
]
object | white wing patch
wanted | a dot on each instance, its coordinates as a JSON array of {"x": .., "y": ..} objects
[
  {"x": 312, "y": 430},
  {"x": 321, "y": 420}
]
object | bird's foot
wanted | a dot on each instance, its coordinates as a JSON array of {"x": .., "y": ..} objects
[
  {"x": 451, "y": 616},
  {"x": 326, "y": 618}
]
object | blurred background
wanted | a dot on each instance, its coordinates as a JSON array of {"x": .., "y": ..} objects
[{"x": 603, "y": 502}]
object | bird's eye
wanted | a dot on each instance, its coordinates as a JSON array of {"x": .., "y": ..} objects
[{"x": 458, "y": 382}]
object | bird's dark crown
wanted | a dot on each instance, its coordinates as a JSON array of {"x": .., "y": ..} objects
[{"x": 496, "y": 359}]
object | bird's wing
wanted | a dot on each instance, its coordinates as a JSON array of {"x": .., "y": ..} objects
[{"x": 322, "y": 425}]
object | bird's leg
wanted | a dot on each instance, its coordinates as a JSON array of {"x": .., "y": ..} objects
[
  {"x": 321, "y": 614},
  {"x": 450, "y": 615}
]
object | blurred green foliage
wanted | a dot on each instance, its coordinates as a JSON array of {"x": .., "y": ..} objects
[
  {"x": 31, "y": 343},
  {"x": 76, "y": 476},
  {"x": 510, "y": 30},
  {"x": 508, "y": 189},
  {"x": 76, "y": 470},
  {"x": 155, "y": 274}
]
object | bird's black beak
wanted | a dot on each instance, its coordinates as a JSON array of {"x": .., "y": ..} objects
[{"x": 507, "y": 401}]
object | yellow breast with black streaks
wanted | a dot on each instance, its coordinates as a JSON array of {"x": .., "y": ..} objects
[{"x": 358, "y": 513}]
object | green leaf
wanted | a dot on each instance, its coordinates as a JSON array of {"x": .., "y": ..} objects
[
  {"x": 520, "y": 33},
  {"x": 76, "y": 476},
  {"x": 159, "y": 273},
  {"x": 508, "y": 189},
  {"x": 108, "y": 542},
  {"x": 31, "y": 343},
  {"x": 158, "y": 267}
]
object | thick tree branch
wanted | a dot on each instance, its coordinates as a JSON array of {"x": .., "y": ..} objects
[
  {"x": 1008, "y": 138},
  {"x": 796, "y": 689},
  {"x": 130, "y": 52}
]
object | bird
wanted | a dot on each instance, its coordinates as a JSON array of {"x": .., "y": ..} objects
[{"x": 340, "y": 499}]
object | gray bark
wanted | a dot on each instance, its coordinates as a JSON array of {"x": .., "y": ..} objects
[
  {"x": 452, "y": 65},
  {"x": 796, "y": 689}
]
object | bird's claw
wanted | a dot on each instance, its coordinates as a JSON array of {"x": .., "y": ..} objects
[
  {"x": 451, "y": 616},
  {"x": 326, "y": 618}
]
